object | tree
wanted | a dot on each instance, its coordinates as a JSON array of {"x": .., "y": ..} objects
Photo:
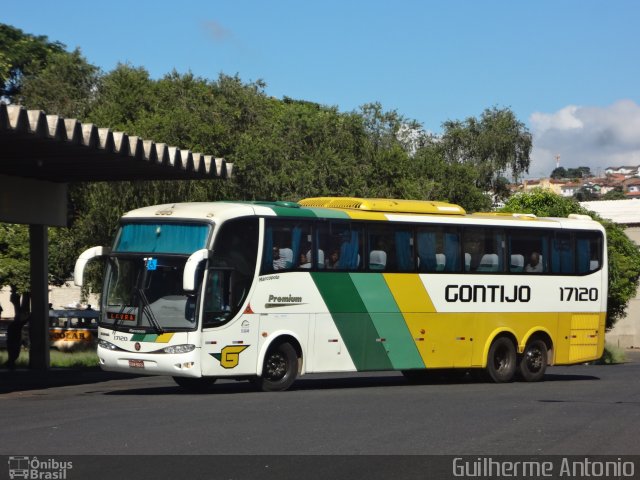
[
  {"x": 624, "y": 256},
  {"x": 496, "y": 144},
  {"x": 22, "y": 54},
  {"x": 615, "y": 194},
  {"x": 15, "y": 272},
  {"x": 65, "y": 86},
  {"x": 449, "y": 182},
  {"x": 559, "y": 173}
]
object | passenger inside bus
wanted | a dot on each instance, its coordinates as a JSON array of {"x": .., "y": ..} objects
[
  {"x": 305, "y": 260},
  {"x": 333, "y": 260},
  {"x": 535, "y": 263},
  {"x": 282, "y": 258}
]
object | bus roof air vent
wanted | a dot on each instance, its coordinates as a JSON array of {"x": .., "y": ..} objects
[{"x": 384, "y": 205}]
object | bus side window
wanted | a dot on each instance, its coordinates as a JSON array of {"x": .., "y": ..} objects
[
  {"x": 528, "y": 251},
  {"x": 346, "y": 239},
  {"x": 438, "y": 249},
  {"x": 382, "y": 248},
  {"x": 287, "y": 245},
  {"x": 588, "y": 251},
  {"x": 563, "y": 254}
]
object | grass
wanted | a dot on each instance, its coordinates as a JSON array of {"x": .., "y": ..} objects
[
  {"x": 612, "y": 355},
  {"x": 80, "y": 359}
]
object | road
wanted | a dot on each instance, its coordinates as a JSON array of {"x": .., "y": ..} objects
[{"x": 586, "y": 409}]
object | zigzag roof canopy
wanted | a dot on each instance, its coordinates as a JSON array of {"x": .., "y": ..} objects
[{"x": 57, "y": 149}]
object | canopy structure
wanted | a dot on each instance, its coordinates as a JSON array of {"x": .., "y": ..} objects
[{"x": 40, "y": 154}]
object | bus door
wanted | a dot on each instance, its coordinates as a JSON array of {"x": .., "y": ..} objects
[{"x": 229, "y": 337}]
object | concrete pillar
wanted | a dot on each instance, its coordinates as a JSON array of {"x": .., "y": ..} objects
[{"x": 39, "y": 323}]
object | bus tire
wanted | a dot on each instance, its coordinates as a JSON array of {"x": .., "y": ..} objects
[
  {"x": 197, "y": 385},
  {"x": 501, "y": 362},
  {"x": 280, "y": 368},
  {"x": 533, "y": 363}
]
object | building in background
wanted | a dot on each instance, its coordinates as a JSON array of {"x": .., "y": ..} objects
[{"x": 626, "y": 332}]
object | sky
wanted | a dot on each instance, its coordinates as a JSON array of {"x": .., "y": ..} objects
[{"x": 569, "y": 69}]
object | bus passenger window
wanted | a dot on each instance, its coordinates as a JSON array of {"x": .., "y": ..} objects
[
  {"x": 528, "y": 250},
  {"x": 438, "y": 249},
  {"x": 484, "y": 250},
  {"x": 346, "y": 239},
  {"x": 381, "y": 248},
  {"x": 517, "y": 263},
  {"x": 286, "y": 246}
]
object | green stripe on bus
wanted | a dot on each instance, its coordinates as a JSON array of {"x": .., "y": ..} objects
[
  {"x": 292, "y": 212},
  {"x": 352, "y": 320},
  {"x": 327, "y": 213},
  {"x": 388, "y": 320},
  {"x": 144, "y": 337}
]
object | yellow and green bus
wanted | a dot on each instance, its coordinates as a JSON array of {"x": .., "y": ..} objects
[{"x": 269, "y": 291}]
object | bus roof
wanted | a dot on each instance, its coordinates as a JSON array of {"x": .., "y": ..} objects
[
  {"x": 385, "y": 205},
  {"x": 352, "y": 208}
]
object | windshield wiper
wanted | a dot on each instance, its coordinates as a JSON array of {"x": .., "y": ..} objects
[{"x": 148, "y": 311}]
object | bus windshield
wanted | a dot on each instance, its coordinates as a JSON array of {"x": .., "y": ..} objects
[{"x": 146, "y": 293}]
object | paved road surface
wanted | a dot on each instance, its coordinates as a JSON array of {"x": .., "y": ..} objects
[{"x": 576, "y": 410}]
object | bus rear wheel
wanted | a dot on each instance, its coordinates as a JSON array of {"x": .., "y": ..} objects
[
  {"x": 280, "y": 368},
  {"x": 533, "y": 363},
  {"x": 501, "y": 362},
  {"x": 201, "y": 384}
]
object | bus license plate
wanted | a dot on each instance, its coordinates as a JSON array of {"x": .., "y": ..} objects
[{"x": 136, "y": 363}]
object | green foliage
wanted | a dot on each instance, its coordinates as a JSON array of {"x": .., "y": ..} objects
[
  {"x": 82, "y": 359},
  {"x": 624, "y": 256},
  {"x": 624, "y": 270},
  {"x": 14, "y": 256},
  {"x": 496, "y": 144},
  {"x": 580, "y": 172},
  {"x": 64, "y": 86},
  {"x": 559, "y": 173},
  {"x": 612, "y": 355},
  {"x": 22, "y": 54},
  {"x": 543, "y": 203},
  {"x": 123, "y": 97},
  {"x": 615, "y": 194}
]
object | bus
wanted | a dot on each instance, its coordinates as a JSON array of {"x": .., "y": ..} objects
[{"x": 269, "y": 291}]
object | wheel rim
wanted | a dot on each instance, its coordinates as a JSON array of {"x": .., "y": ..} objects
[
  {"x": 275, "y": 367},
  {"x": 502, "y": 360},
  {"x": 534, "y": 359}
]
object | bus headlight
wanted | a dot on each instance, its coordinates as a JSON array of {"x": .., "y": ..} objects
[
  {"x": 179, "y": 349},
  {"x": 108, "y": 345}
]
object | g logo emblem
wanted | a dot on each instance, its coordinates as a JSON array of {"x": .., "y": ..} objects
[{"x": 229, "y": 356}]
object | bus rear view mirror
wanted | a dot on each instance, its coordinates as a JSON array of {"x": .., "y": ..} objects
[
  {"x": 191, "y": 267},
  {"x": 83, "y": 259}
]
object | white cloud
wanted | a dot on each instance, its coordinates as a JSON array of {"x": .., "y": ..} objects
[
  {"x": 564, "y": 119},
  {"x": 595, "y": 137}
]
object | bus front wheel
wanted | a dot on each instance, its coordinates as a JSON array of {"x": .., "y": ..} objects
[
  {"x": 501, "y": 362},
  {"x": 280, "y": 368},
  {"x": 533, "y": 363}
]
